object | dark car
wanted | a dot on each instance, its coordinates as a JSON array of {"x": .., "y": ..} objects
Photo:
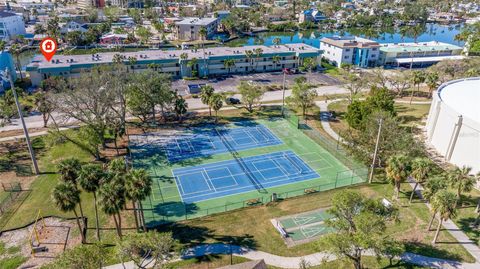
[{"x": 232, "y": 101}]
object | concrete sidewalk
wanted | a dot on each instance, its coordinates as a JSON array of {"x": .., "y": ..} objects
[{"x": 294, "y": 262}]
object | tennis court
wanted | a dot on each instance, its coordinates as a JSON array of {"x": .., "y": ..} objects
[
  {"x": 202, "y": 142},
  {"x": 203, "y": 182}
]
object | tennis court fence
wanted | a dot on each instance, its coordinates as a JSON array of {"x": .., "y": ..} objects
[
  {"x": 10, "y": 193},
  {"x": 173, "y": 212}
]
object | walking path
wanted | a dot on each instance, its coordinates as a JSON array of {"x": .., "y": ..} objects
[{"x": 294, "y": 262}]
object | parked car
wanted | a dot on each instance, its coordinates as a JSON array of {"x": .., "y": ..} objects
[{"x": 232, "y": 101}]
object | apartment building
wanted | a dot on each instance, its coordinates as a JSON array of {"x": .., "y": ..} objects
[
  {"x": 350, "y": 50},
  {"x": 209, "y": 62},
  {"x": 189, "y": 28},
  {"x": 420, "y": 54},
  {"x": 11, "y": 25}
]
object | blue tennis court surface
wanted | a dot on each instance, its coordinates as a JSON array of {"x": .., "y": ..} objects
[
  {"x": 206, "y": 141},
  {"x": 208, "y": 181}
]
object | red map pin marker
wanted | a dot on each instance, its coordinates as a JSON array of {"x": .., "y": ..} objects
[{"x": 48, "y": 47}]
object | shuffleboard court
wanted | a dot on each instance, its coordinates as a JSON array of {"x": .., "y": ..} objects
[
  {"x": 214, "y": 180},
  {"x": 203, "y": 142}
]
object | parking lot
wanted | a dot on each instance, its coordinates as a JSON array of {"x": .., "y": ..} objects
[{"x": 229, "y": 83}]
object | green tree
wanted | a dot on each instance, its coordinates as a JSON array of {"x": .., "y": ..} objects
[
  {"x": 90, "y": 178},
  {"x": 144, "y": 34},
  {"x": 418, "y": 77},
  {"x": 16, "y": 50},
  {"x": 205, "y": 95},
  {"x": 443, "y": 203},
  {"x": 80, "y": 257},
  {"x": 359, "y": 225},
  {"x": 182, "y": 59},
  {"x": 251, "y": 95},
  {"x": 276, "y": 41},
  {"x": 180, "y": 107},
  {"x": 192, "y": 64},
  {"x": 66, "y": 196},
  {"x": 432, "y": 80},
  {"x": 74, "y": 38},
  {"x": 43, "y": 105},
  {"x": 397, "y": 170},
  {"x": 147, "y": 250},
  {"x": 228, "y": 64},
  {"x": 138, "y": 186},
  {"x": 69, "y": 170},
  {"x": 112, "y": 200},
  {"x": 216, "y": 102},
  {"x": 421, "y": 167},
  {"x": 303, "y": 96},
  {"x": 461, "y": 180}
]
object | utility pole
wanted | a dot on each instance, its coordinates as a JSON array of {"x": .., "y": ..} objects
[
  {"x": 283, "y": 97},
  {"x": 372, "y": 168},
  {"x": 20, "y": 115}
]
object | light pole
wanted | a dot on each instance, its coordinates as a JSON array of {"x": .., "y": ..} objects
[
  {"x": 283, "y": 97},
  {"x": 370, "y": 178},
  {"x": 20, "y": 115}
]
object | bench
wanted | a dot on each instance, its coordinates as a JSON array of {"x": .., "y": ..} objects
[{"x": 39, "y": 249}]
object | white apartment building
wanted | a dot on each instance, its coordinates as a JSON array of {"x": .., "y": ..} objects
[
  {"x": 11, "y": 25},
  {"x": 189, "y": 28},
  {"x": 350, "y": 50}
]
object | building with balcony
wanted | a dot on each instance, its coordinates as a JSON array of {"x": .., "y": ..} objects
[
  {"x": 352, "y": 50},
  {"x": 11, "y": 25},
  {"x": 189, "y": 28},
  {"x": 215, "y": 61}
]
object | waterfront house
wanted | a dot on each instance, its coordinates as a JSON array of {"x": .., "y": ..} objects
[{"x": 351, "y": 50}]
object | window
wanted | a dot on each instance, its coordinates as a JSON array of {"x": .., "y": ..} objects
[
  {"x": 346, "y": 57},
  {"x": 374, "y": 49},
  {"x": 373, "y": 55},
  {"x": 347, "y": 50}
]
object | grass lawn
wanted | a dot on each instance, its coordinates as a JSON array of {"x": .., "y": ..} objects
[{"x": 407, "y": 114}]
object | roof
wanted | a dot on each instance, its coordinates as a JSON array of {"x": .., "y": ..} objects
[
  {"x": 350, "y": 42},
  {"x": 169, "y": 55},
  {"x": 4, "y": 14},
  {"x": 196, "y": 21},
  {"x": 419, "y": 46},
  {"x": 462, "y": 95}
]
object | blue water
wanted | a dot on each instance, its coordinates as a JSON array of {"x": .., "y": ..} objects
[{"x": 434, "y": 32}]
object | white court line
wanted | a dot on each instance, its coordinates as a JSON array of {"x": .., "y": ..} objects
[
  {"x": 260, "y": 130},
  {"x": 178, "y": 177},
  {"x": 210, "y": 180},
  {"x": 300, "y": 221},
  {"x": 293, "y": 163},
  {"x": 251, "y": 137}
]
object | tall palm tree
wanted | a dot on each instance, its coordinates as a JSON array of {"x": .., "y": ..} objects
[
  {"x": 418, "y": 77},
  {"x": 258, "y": 53},
  {"x": 432, "y": 79},
  {"x": 443, "y": 203},
  {"x": 192, "y": 64},
  {"x": 90, "y": 178},
  {"x": 229, "y": 63},
  {"x": 131, "y": 62},
  {"x": 249, "y": 55},
  {"x": 112, "y": 200},
  {"x": 420, "y": 169},
  {"x": 15, "y": 49},
  {"x": 397, "y": 170},
  {"x": 216, "y": 102},
  {"x": 276, "y": 59},
  {"x": 180, "y": 107},
  {"x": 183, "y": 58},
  {"x": 431, "y": 187},
  {"x": 138, "y": 186},
  {"x": 203, "y": 34},
  {"x": 461, "y": 180},
  {"x": 205, "y": 95},
  {"x": 66, "y": 197},
  {"x": 69, "y": 170}
]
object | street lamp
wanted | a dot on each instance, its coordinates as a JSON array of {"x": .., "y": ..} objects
[
  {"x": 380, "y": 122},
  {"x": 283, "y": 96},
  {"x": 7, "y": 75}
]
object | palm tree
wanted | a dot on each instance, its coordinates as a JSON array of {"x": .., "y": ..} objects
[
  {"x": 420, "y": 169},
  {"x": 249, "y": 55},
  {"x": 276, "y": 41},
  {"x": 192, "y": 65},
  {"x": 138, "y": 186},
  {"x": 132, "y": 61},
  {"x": 229, "y": 63},
  {"x": 418, "y": 77},
  {"x": 443, "y": 203},
  {"x": 431, "y": 187},
  {"x": 112, "y": 200},
  {"x": 180, "y": 107},
  {"x": 216, "y": 102},
  {"x": 258, "y": 53},
  {"x": 15, "y": 49},
  {"x": 205, "y": 95},
  {"x": 397, "y": 170},
  {"x": 90, "y": 178},
  {"x": 69, "y": 170},
  {"x": 276, "y": 59},
  {"x": 432, "y": 82},
  {"x": 203, "y": 32},
  {"x": 461, "y": 180},
  {"x": 66, "y": 197},
  {"x": 117, "y": 58},
  {"x": 183, "y": 57}
]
